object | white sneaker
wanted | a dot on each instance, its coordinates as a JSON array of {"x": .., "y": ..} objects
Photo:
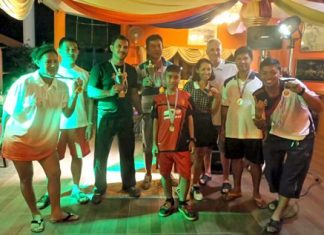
[{"x": 196, "y": 194}]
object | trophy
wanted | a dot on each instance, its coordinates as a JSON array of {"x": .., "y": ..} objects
[{"x": 120, "y": 81}]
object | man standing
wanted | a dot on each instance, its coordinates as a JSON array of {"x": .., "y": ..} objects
[
  {"x": 282, "y": 110},
  {"x": 151, "y": 77},
  {"x": 243, "y": 138},
  {"x": 222, "y": 71},
  {"x": 113, "y": 84},
  {"x": 75, "y": 131}
]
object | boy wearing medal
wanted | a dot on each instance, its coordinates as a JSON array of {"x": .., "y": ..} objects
[
  {"x": 173, "y": 141},
  {"x": 242, "y": 138}
]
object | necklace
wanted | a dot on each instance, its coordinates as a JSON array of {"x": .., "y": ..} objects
[
  {"x": 172, "y": 112},
  {"x": 239, "y": 101}
]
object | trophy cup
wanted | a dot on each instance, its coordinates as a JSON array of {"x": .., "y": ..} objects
[{"x": 120, "y": 81}]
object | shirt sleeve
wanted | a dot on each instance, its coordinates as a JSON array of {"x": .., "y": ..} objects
[
  {"x": 15, "y": 98},
  {"x": 95, "y": 75}
]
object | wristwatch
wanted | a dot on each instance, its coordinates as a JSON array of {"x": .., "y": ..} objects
[{"x": 192, "y": 139}]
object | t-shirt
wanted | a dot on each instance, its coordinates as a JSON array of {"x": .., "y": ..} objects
[
  {"x": 222, "y": 72},
  {"x": 101, "y": 78},
  {"x": 178, "y": 140},
  {"x": 288, "y": 114},
  {"x": 79, "y": 116},
  {"x": 202, "y": 101},
  {"x": 237, "y": 96},
  {"x": 148, "y": 93},
  {"x": 35, "y": 110}
]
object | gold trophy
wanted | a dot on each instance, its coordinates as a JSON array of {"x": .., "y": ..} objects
[{"x": 120, "y": 81}]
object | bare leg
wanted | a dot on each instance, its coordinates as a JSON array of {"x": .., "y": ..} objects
[
  {"x": 184, "y": 185},
  {"x": 52, "y": 170},
  {"x": 256, "y": 172},
  {"x": 207, "y": 161},
  {"x": 148, "y": 162},
  {"x": 198, "y": 164},
  {"x": 76, "y": 168},
  {"x": 226, "y": 163},
  {"x": 237, "y": 174},
  {"x": 282, "y": 204},
  {"x": 25, "y": 172},
  {"x": 167, "y": 187}
]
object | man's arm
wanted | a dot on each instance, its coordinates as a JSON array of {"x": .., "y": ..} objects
[
  {"x": 69, "y": 109},
  {"x": 155, "y": 148},
  {"x": 224, "y": 110},
  {"x": 5, "y": 117},
  {"x": 136, "y": 100}
]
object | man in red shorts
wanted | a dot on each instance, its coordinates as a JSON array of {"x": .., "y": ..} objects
[{"x": 173, "y": 140}]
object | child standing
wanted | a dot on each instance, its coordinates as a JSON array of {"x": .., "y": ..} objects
[{"x": 173, "y": 140}]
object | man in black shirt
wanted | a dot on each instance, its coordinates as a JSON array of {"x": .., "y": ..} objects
[{"x": 113, "y": 84}]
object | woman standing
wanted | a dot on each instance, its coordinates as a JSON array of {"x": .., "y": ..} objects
[
  {"x": 30, "y": 124},
  {"x": 206, "y": 101}
]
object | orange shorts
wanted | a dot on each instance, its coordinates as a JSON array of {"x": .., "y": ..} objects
[
  {"x": 181, "y": 160},
  {"x": 74, "y": 138}
]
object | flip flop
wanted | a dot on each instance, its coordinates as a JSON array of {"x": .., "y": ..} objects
[
  {"x": 37, "y": 225},
  {"x": 232, "y": 196},
  {"x": 70, "y": 217},
  {"x": 273, "y": 226},
  {"x": 260, "y": 203}
]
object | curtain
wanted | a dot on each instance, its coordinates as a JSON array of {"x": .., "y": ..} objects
[
  {"x": 18, "y": 9},
  {"x": 191, "y": 55}
]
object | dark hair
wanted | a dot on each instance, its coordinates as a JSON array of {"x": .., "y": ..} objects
[
  {"x": 68, "y": 39},
  {"x": 243, "y": 50},
  {"x": 195, "y": 76},
  {"x": 270, "y": 61},
  {"x": 153, "y": 37},
  {"x": 119, "y": 37},
  {"x": 38, "y": 52},
  {"x": 173, "y": 68}
]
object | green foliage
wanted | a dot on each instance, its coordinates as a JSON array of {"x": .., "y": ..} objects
[{"x": 16, "y": 62}]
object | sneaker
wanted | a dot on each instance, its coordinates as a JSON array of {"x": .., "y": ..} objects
[
  {"x": 81, "y": 197},
  {"x": 147, "y": 182},
  {"x": 43, "y": 202},
  {"x": 196, "y": 194},
  {"x": 96, "y": 198},
  {"x": 187, "y": 212},
  {"x": 204, "y": 179},
  {"x": 167, "y": 208},
  {"x": 226, "y": 187},
  {"x": 37, "y": 225},
  {"x": 133, "y": 192}
]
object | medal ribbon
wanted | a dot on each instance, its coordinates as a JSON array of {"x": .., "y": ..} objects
[{"x": 247, "y": 80}]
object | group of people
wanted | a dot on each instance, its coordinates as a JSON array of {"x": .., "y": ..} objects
[{"x": 250, "y": 116}]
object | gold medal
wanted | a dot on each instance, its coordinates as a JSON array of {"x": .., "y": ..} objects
[
  {"x": 171, "y": 128},
  {"x": 161, "y": 90},
  {"x": 239, "y": 101}
]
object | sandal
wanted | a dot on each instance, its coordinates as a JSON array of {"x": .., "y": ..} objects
[
  {"x": 273, "y": 226},
  {"x": 204, "y": 179},
  {"x": 232, "y": 196},
  {"x": 261, "y": 204},
  {"x": 37, "y": 225},
  {"x": 70, "y": 217},
  {"x": 81, "y": 197},
  {"x": 226, "y": 187}
]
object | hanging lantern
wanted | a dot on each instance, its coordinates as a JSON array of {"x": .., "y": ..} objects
[{"x": 256, "y": 12}]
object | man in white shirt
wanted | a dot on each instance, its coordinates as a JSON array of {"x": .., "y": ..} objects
[
  {"x": 222, "y": 71},
  {"x": 282, "y": 110},
  {"x": 242, "y": 138},
  {"x": 75, "y": 131}
]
